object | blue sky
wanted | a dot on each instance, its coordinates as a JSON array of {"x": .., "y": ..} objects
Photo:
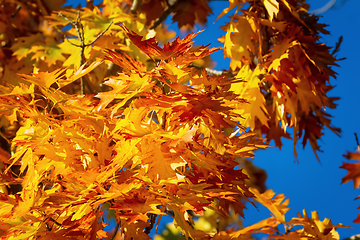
[{"x": 309, "y": 184}]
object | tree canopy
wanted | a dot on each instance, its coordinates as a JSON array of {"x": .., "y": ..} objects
[{"x": 106, "y": 117}]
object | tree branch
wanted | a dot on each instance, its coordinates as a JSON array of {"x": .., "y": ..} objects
[
  {"x": 80, "y": 32},
  {"x": 98, "y": 36}
]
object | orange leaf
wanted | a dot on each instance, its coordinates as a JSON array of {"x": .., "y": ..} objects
[
  {"x": 125, "y": 61},
  {"x": 353, "y": 170},
  {"x": 277, "y": 205},
  {"x": 177, "y": 47}
]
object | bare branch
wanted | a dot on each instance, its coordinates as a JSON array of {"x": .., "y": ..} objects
[
  {"x": 81, "y": 35},
  {"x": 98, "y": 36},
  {"x": 64, "y": 17},
  {"x": 74, "y": 44}
]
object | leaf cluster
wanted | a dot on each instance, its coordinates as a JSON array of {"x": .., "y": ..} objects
[{"x": 102, "y": 118}]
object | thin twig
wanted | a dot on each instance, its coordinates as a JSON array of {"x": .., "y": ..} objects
[
  {"x": 74, "y": 44},
  {"x": 56, "y": 222},
  {"x": 64, "y": 17},
  {"x": 81, "y": 35},
  {"x": 98, "y": 36}
]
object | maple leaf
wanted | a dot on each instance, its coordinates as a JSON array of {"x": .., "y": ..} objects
[
  {"x": 314, "y": 227},
  {"x": 232, "y": 4},
  {"x": 190, "y": 12},
  {"x": 49, "y": 52},
  {"x": 153, "y": 10},
  {"x": 181, "y": 221},
  {"x": 238, "y": 41},
  {"x": 267, "y": 226},
  {"x": 124, "y": 60},
  {"x": 352, "y": 168},
  {"x": 277, "y": 205},
  {"x": 167, "y": 138},
  {"x": 254, "y": 107},
  {"x": 173, "y": 49},
  {"x": 44, "y": 79},
  {"x": 78, "y": 73},
  {"x": 23, "y": 45}
]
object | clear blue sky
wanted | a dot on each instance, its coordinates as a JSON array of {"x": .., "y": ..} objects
[{"x": 309, "y": 184}]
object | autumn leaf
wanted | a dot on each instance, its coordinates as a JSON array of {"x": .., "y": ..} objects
[
  {"x": 277, "y": 205},
  {"x": 352, "y": 168},
  {"x": 238, "y": 41},
  {"x": 272, "y": 7},
  {"x": 155, "y": 131}
]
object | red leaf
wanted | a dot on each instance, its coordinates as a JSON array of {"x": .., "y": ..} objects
[{"x": 353, "y": 173}]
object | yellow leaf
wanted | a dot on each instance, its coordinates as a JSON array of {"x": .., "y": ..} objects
[
  {"x": 44, "y": 79},
  {"x": 272, "y": 7},
  {"x": 232, "y": 4},
  {"x": 84, "y": 209},
  {"x": 277, "y": 205},
  {"x": 238, "y": 41},
  {"x": 71, "y": 77}
]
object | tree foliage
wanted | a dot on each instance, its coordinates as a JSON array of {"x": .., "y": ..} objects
[{"x": 102, "y": 113}]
